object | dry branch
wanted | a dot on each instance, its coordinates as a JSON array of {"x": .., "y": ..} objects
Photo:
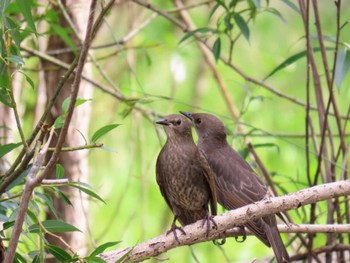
[{"x": 195, "y": 233}]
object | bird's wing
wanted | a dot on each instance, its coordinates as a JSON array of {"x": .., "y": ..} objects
[
  {"x": 235, "y": 178},
  {"x": 161, "y": 180},
  {"x": 209, "y": 176},
  {"x": 237, "y": 185}
]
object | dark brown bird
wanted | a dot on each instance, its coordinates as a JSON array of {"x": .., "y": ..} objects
[
  {"x": 237, "y": 184},
  {"x": 184, "y": 176}
]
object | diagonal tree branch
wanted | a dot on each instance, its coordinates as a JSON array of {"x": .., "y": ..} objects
[{"x": 195, "y": 233}]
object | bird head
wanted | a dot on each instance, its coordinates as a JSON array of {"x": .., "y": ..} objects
[
  {"x": 176, "y": 126},
  {"x": 208, "y": 127}
]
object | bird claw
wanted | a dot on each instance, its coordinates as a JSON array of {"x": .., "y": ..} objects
[
  {"x": 222, "y": 241},
  {"x": 244, "y": 236},
  {"x": 207, "y": 220},
  {"x": 173, "y": 229}
]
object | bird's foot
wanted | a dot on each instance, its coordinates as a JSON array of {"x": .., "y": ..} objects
[
  {"x": 222, "y": 241},
  {"x": 173, "y": 229},
  {"x": 207, "y": 220},
  {"x": 244, "y": 235}
]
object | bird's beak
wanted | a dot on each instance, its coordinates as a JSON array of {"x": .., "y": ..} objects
[
  {"x": 164, "y": 122},
  {"x": 187, "y": 114}
]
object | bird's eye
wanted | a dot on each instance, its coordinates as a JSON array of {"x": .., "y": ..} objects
[
  {"x": 198, "y": 121},
  {"x": 178, "y": 122}
]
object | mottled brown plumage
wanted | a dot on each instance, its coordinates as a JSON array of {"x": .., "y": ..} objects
[
  {"x": 236, "y": 182},
  {"x": 183, "y": 175}
]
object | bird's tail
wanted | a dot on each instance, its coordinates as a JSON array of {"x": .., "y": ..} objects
[{"x": 274, "y": 237}]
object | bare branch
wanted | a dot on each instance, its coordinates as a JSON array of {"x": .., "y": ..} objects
[{"x": 195, "y": 233}]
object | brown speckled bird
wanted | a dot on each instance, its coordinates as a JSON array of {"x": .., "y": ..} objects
[
  {"x": 237, "y": 184},
  {"x": 184, "y": 176}
]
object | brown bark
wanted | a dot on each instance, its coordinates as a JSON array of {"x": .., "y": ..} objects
[{"x": 74, "y": 163}]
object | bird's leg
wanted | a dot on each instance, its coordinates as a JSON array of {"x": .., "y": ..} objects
[
  {"x": 173, "y": 229},
  {"x": 207, "y": 220},
  {"x": 244, "y": 235}
]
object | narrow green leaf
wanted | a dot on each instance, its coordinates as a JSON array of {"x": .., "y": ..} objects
[
  {"x": 15, "y": 59},
  {"x": 47, "y": 201},
  {"x": 28, "y": 79},
  {"x": 242, "y": 25},
  {"x": 59, "y": 122},
  {"x": 102, "y": 248},
  {"x": 19, "y": 258},
  {"x": 59, "y": 171},
  {"x": 342, "y": 66},
  {"x": 4, "y": 95},
  {"x": 292, "y": 5},
  {"x": 291, "y": 60},
  {"x": 201, "y": 30},
  {"x": 62, "y": 196},
  {"x": 26, "y": 7},
  {"x": 212, "y": 12},
  {"x": 83, "y": 187},
  {"x": 108, "y": 149},
  {"x": 102, "y": 131},
  {"x": 222, "y": 3},
  {"x": 5, "y": 149},
  {"x": 58, "y": 253},
  {"x": 63, "y": 33},
  {"x": 217, "y": 48},
  {"x": 78, "y": 102},
  {"x": 8, "y": 224},
  {"x": 277, "y": 13},
  {"x": 36, "y": 259},
  {"x": 53, "y": 226}
]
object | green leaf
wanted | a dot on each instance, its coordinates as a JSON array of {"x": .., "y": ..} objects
[
  {"x": 47, "y": 201},
  {"x": 108, "y": 149},
  {"x": 102, "y": 248},
  {"x": 102, "y": 131},
  {"x": 63, "y": 33},
  {"x": 28, "y": 79},
  {"x": 61, "y": 194},
  {"x": 217, "y": 48},
  {"x": 201, "y": 30},
  {"x": 84, "y": 188},
  {"x": 5, "y": 149},
  {"x": 59, "y": 122},
  {"x": 36, "y": 259},
  {"x": 8, "y": 224},
  {"x": 291, "y": 60},
  {"x": 19, "y": 258},
  {"x": 15, "y": 59},
  {"x": 4, "y": 96},
  {"x": 58, "y": 253},
  {"x": 78, "y": 102},
  {"x": 53, "y": 226},
  {"x": 276, "y": 13},
  {"x": 292, "y": 5},
  {"x": 222, "y": 3},
  {"x": 26, "y": 7},
  {"x": 242, "y": 25},
  {"x": 59, "y": 171},
  {"x": 342, "y": 66}
]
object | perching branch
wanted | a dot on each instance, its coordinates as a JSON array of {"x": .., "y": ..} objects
[{"x": 195, "y": 233}]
